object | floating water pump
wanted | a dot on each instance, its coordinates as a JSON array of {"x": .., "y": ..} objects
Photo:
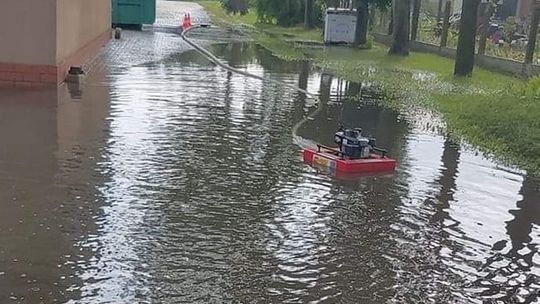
[{"x": 355, "y": 154}]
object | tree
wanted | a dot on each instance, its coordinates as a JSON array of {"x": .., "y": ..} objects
[
  {"x": 236, "y": 6},
  {"x": 309, "y": 14},
  {"x": 284, "y": 12},
  {"x": 467, "y": 38},
  {"x": 363, "y": 15},
  {"x": 400, "y": 35},
  {"x": 415, "y": 18}
]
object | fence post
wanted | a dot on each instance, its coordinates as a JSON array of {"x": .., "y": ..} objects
[
  {"x": 446, "y": 24},
  {"x": 531, "y": 44},
  {"x": 440, "y": 10},
  {"x": 487, "y": 13},
  {"x": 415, "y": 19},
  {"x": 391, "y": 23}
]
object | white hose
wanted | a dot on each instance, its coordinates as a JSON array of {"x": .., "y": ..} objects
[{"x": 298, "y": 140}]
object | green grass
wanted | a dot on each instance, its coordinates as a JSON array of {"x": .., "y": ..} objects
[{"x": 506, "y": 125}]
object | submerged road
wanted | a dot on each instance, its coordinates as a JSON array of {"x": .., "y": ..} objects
[{"x": 165, "y": 179}]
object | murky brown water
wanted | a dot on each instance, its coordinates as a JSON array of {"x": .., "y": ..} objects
[{"x": 172, "y": 181}]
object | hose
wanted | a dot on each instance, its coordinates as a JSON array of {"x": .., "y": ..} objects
[{"x": 298, "y": 140}]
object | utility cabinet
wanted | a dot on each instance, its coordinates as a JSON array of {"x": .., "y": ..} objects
[
  {"x": 133, "y": 12},
  {"x": 340, "y": 25}
]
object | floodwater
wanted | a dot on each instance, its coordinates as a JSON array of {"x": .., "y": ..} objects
[{"x": 173, "y": 181}]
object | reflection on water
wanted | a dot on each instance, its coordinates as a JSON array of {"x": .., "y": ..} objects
[
  {"x": 173, "y": 181},
  {"x": 50, "y": 148}
]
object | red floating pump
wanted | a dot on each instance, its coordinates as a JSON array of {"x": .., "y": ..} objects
[{"x": 355, "y": 155}]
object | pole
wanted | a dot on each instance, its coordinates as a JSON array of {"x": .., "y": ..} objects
[
  {"x": 446, "y": 24},
  {"x": 488, "y": 12},
  {"x": 531, "y": 45},
  {"x": 415, "y": 19},
  {"x": 391, "y": 23},
  {"x": 440, "y": 10}
]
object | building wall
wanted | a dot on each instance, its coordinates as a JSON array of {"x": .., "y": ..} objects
[
  {"x": 79, "y": 22},
  {"x": 28, "y": 31},
  {"x": 83, "y": 27},
  {"x": 42, "y": 39}
]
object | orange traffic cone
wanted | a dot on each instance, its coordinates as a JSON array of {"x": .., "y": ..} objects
[{"x": 185, "y": 22}]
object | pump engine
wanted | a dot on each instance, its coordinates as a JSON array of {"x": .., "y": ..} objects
[{"x": 352, "y": 144}]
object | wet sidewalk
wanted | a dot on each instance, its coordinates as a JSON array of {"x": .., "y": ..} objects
[{"x": 154, "y": 43}]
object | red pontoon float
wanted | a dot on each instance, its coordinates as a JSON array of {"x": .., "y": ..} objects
[
  {"x": 355, "y": 155},
  {"x": 329, "y": 159}
]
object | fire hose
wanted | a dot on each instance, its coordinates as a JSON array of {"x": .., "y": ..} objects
[{"x": 298, "y": 140}]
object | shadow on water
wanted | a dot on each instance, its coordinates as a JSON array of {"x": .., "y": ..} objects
[
  {"x": 174, "y": 181},
  {"x": 51, "y": 144}
]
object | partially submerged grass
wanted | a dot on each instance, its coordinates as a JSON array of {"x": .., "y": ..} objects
[
  {"x": 495, "y": 112},
  {"x": 280, "y": 48},
  {"x": 293, "y": 33},
  {"x": 442, "y": 66},
  {"x": 505, "y": 124}
]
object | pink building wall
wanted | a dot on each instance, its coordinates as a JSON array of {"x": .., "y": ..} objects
[{"x": 42, "y": 39}]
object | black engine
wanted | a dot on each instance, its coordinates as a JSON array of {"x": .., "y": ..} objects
[{"x": 353, "y": 145}]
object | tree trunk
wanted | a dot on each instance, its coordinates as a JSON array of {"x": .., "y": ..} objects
[
  {"x": 415, "y": 18},
  {"x": 488, "y": 12},
  {"x": 467, "y": 38},
  {"x": 531, "y": 45},
  {"x": 372, "y": 17},
  {"x": 391, "y": 23},
  {"x": 400, "y": 37},
  {"x": 446, "y": 24},
  {"x": 308, "y": 14},
  {"x": 362, "y": 18}
]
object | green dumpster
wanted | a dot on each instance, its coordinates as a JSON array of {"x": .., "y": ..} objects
[{"x": 133, "y": 12}]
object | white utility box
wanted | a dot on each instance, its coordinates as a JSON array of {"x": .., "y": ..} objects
[{"x": 340, "y": 25}]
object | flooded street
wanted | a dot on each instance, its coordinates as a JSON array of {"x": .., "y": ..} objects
[{"x": 165, "y": 179}]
